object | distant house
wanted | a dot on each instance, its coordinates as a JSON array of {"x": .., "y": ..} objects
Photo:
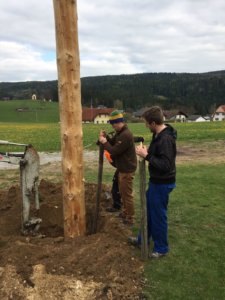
[
  {"x": 169, "y": 115},
  {"x": 96, "y": 115},
  {"x": 196, "y": 118},
  {"x": 138, "y": 114},
  {"x": 175, "y": 116},
  {"x": 208, "y": 118},
  {"x": 34, "y": 97},
  {"x": 219, "y": 114}
]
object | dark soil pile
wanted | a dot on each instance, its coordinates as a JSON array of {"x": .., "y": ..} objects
[{"x": 96, "y": 266}]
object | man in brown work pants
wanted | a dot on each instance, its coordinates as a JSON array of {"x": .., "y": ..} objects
[
  {"x": 126, "y": 190},
  {"x": 122, "y": 149}
]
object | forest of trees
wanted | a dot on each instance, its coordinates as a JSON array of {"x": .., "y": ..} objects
[{"x": 193, "y": 92}]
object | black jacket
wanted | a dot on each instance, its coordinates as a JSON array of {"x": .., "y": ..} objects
[{"x": 162, "y": 155}]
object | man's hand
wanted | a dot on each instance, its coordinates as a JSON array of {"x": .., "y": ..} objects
[
  {"x": 102, "y": 139},
  {"x": 142, "y": 151},
  {"x": 102, "y": 133}
]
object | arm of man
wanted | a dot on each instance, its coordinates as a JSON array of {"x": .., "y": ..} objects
[
  {"x": 121, "y": 145},
  {"x": 103, "y": 137}
]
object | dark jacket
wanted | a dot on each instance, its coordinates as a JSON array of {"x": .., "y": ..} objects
[
  {"x": 122, "y": 149},
  {"x": 162, "y": 155}
]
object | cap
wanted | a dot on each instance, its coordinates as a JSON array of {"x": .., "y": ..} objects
[{"x": 116, "y": 117}]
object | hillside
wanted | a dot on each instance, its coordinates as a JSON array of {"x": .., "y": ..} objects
[
  {"x": 25, "y": 111},
  {"x": 196, "y": 93}
]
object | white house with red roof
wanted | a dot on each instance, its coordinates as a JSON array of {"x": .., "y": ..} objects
[
  {"x": 96, "y": 115},
  {"x": 219, "y": 114}
]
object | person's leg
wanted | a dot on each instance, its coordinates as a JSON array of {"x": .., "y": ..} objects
[
  {"x": 126, "y": 192},
  {"x": 158, "y": 202},
  {"x": 115, "y": 192}
]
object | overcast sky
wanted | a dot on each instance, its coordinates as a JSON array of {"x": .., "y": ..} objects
[{"x": 115, "y": 37}]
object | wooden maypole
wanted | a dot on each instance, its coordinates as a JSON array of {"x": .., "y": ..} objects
[{"x": 68, "y": 64}]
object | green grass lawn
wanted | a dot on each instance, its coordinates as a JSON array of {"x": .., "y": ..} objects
[
  {"x": 40, "y": 126},
  {"x": 34, "y": 111},
  {"x": 46, "y": 136}
]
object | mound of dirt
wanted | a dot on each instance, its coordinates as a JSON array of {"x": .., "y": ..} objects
[{"x": 48, "y": 266}]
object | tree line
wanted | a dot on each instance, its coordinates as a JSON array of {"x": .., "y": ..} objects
[{"x": 193, "y": 92}]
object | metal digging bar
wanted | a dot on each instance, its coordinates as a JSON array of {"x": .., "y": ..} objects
[
  {"x": 29, "y": 163},
  {"x": 11, "y": 143}
]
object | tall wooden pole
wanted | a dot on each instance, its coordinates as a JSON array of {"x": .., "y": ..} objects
[{"x": 68, "y": 63}]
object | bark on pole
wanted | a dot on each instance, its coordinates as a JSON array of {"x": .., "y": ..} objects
[{"x": 68, "y": 64}]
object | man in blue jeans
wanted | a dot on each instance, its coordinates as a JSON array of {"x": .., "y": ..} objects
[{"x": 161, "y": 156}]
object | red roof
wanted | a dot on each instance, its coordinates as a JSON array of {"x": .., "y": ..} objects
[
  {"x": 89, "y": 114},
  {"x": 221, "y": 109}
]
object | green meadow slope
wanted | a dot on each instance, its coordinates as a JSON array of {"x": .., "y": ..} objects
[{"x": 28, "y": 111}]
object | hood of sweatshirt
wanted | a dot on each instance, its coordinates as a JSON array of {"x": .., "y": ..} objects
[{"x": 168, "y": 130}]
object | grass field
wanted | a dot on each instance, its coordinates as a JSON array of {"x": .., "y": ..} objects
[
  {"x": 39, "y": 126},
  {"x": 46, "y": 136},
  {"x": 33, "y": 111},
  {"x": 195, "y": 267}
]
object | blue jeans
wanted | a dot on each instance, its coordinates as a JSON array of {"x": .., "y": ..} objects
[{"x": 157, "y": 197}]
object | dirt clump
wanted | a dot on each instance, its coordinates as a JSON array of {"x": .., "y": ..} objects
[{"x": 49, "y": 266}]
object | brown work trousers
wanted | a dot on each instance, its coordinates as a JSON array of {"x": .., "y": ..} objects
[{"x": 126, "y": 192}]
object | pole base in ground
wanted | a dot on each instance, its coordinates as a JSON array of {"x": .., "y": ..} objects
[{"x": 31, "y": 226}]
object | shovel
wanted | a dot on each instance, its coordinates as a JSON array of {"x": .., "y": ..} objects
[{"x": 11, "y": 143}]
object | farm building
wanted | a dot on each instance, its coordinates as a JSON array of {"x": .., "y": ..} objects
[
  {"x": 219, "y": 114},
  {"x": 138, "y": 114},
  {"x": 196, "y": 118},
  {"x": 175, "y": 116},
  {"x": 96, "y": 115},
  {"x": 169, "y": 115}
]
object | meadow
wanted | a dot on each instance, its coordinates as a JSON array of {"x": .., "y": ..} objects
[
  {"x": 39, "y": 125},
  {"x": 25, "y": 111},
  {"x": 46, "y": 136},
  {"x": 195, "y": 266}
]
